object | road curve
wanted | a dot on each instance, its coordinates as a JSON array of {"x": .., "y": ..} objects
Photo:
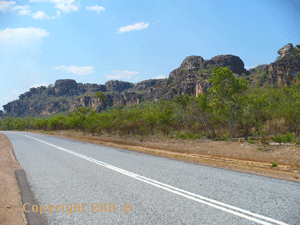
[{"x": 114, "y": 186}]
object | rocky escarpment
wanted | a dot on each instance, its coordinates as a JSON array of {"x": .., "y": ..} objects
[
  {"x": 192, "y": 76},
  {"x": 61, "y": 97},
  {"x": 285, "y": 69}
]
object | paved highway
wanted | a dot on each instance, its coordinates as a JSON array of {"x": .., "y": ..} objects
[{"x": 116, "y": 186}]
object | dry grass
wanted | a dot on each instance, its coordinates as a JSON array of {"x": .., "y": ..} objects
[{"x": 244, "y": 157}]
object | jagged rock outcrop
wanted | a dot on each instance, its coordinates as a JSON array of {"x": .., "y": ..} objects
[
  {"x": 192, "y": 62},
  {"x": 118, "y": 86},
  {"x": 260, "y": 68},
  {"x": 285, "y": 50},
  {"x": 83, "y": 88},
  {"x": 143, "y": 85},
  {"x": 285, "y": 70},
  {"x": 65, "y": 87},
  {"x": 234, "y": 63}
]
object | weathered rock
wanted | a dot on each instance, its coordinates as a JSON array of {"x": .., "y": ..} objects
[
  {"x": 85, "y": 101},
  {"x": 192, "y": 62},
  {"x": 65, "y": 87},
  {"x": 131, "y": 98},
  {"x": 118, "y": 86},
  {"x": 260, "y": 68},
  {"x": 234, "y": 63},
  {"x": 143, "y": 85},
  {"x": 94, "y": 88},
  {"x": 285, "y": 49},
  {"x": 285, "y": 69}
]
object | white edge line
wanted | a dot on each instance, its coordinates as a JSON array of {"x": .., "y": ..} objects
[{"x": 178, "y": 191}]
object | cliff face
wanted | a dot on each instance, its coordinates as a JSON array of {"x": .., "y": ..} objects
[
  {"x": 118, "y": 86},
  {"x": 285, "y": 69}
]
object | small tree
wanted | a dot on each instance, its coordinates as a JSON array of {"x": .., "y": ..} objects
[
  {"x": 100, "y": 96},
  {"x": 226, "y": 92}
]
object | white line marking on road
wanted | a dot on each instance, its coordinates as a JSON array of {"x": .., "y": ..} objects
[{"x": 198, "y": 198}]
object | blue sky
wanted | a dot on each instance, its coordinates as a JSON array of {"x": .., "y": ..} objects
[{"x": 96, "y": 41}]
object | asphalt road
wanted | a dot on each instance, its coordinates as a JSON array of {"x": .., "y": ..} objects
[{"x": 157, "y": 190}]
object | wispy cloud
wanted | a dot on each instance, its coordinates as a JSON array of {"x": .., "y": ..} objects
[
  {"x": 95, "y": 8},
  {"x": 15, "y": 92},
  {"x": 22, "y": 10},
  {"x": 84, "y": 70},
  {"x": 160, "y": 77},
  {"x": 136, "y": 26},
  {"x": 249, "y": 67},
  {"x": 10, "y": 6},
  {"x": 6, "y": 6},
  {"x": 21, "y": 35},
  {"x": 125, "y": 74},
  {"x": 63, "y": 5},
  {"x": 38, "y": 85},
  {"x": 40, "y": 15}
]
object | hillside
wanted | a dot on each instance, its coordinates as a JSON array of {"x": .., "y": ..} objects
[{"x": 192, "y": 78}]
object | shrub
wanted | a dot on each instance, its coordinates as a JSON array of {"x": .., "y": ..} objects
[
  {"x": 274, "y": 164},
  {"x": 277, "y": 138},
  {"x": 181, "y": 135},
  {"x": 288, "y": 138},
  {"x": 264, "y": 140},
  {"x": 251, "y": 141}
]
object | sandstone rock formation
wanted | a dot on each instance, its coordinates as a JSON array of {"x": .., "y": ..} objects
[
  {"x": 285, "y": 70},
  {"x": 285, "y": 49},
  {"x": 118, "y": 86},
  {"x": 65, "y": 87}
]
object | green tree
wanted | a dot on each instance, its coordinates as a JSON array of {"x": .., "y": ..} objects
[
  {"x": 226, "y": 93},
  {"x": 100, "y": 96}
]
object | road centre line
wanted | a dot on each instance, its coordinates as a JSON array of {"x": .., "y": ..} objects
[{"x": 198, "y": 198}]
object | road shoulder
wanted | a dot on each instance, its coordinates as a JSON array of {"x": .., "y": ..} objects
[{"x": 10, "y": 199}]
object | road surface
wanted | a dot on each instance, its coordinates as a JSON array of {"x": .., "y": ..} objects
[{"x": 82, "y": 183}]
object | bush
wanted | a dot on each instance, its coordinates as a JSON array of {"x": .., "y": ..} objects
[
  {"x": 264, "y": 140},
  {"x": 274, "y": 164},
  {"x": 251, "y": 141},
  {"x": 277, "y": 138},
  {"x": 288, "y": 138},
  {"x": 182, "y": 135}
]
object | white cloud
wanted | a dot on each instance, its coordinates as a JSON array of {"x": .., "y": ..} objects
[
  {"x": 249, "y": 67},
  {"x": 40, "y": 15},
  {"x": 38, "y": 85},
  {"x": 6, "y": 6},
  {"x": 22, "y": 10},
  {"x": 136, "y": 26},
  {"x": 160, "y": 77},
  {"x": 17, "y": 35},
  {"x": 15, "y": 92},
  {"x": 95, "y": 8},
  {"x": 127, "y": 75},
  {"x": 84, "y": 70},
  {"x": 62, "y": 5}
]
